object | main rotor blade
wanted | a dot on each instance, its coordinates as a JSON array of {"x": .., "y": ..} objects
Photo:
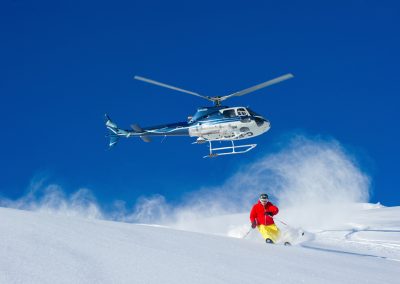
[
  {"x": 169, "y": 87},
  {"x": 259, "y": 86}
]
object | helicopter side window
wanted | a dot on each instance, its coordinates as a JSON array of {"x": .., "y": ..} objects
[
  {"x": 242, "y": 112},
  {"x": 229, "y": 113}
]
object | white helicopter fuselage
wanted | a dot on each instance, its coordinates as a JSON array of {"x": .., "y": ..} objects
[
  {"x": 236, "y": 126},
  {"x": 228, "y": 131}
]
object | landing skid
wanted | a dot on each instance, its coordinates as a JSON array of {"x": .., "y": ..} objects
[{"x": 229, "y": 150}]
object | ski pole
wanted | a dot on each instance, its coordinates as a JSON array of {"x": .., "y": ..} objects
[
  {"x": 279, "y": 220},
  {"x": 302, "y": 232},
  {"x": 283, "y": 223},
  {"x": 248, "y": 232}
]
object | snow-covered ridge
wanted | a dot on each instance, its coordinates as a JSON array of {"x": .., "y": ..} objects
[{"x": 37, "y": 247}]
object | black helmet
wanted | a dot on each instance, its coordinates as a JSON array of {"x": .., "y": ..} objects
[{"x": 263, "y": 197}]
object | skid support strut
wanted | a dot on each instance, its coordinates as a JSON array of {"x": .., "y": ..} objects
[{"x": 229, "y": 150}]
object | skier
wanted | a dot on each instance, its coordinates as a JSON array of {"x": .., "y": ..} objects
[{"x": 261, "y": 217}]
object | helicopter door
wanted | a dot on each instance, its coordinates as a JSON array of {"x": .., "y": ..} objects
[{"x": 229, "y": 113}]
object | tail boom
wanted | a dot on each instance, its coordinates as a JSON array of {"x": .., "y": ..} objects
[{"x": 116, "y": 132}]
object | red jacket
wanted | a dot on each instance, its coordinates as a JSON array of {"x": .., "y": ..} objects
[{"x": 258, "y": 213}]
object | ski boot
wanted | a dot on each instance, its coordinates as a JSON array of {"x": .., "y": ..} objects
[{"x": 269, "y": 241}]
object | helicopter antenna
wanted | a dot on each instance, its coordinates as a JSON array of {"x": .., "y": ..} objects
[{"x": 170, "y": 87}]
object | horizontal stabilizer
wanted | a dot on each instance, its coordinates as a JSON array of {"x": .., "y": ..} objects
[
  {"x": 116, "y": 132},
  {"x": 137, "y": 128},
  {"x": 145, "y": 138}
]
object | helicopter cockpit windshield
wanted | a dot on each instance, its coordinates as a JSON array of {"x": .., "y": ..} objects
[{"x": 253, "y": 113}]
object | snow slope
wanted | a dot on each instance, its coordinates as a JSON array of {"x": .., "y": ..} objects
[{"x": 39, "y": 247}]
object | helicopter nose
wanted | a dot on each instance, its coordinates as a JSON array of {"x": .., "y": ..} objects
[
  {"x": 261, "y": 122},
  {"x": 267, "y": 124}
]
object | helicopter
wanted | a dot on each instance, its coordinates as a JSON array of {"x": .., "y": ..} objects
[{"x": 209, "y": 124}]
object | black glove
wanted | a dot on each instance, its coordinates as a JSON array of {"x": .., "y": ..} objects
[
  {"x": 254, "y": 224},
  {"x": 269, "y": 214}
]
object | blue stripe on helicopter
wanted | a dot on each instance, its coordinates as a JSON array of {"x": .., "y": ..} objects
[{"x": 216, "y": 121}]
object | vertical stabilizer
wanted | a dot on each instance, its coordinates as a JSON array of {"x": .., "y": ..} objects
[{"x": 115, "y": 132}]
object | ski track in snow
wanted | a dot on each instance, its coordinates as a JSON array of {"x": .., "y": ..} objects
[
  {"x": 360, "y": 242},
  {"x": 374, "y": 232}
]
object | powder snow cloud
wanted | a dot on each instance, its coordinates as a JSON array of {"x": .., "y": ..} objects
[{"x": 311, "y": 179}]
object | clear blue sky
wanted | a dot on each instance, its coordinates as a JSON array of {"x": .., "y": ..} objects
[{"x": 63, "y": 64}]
